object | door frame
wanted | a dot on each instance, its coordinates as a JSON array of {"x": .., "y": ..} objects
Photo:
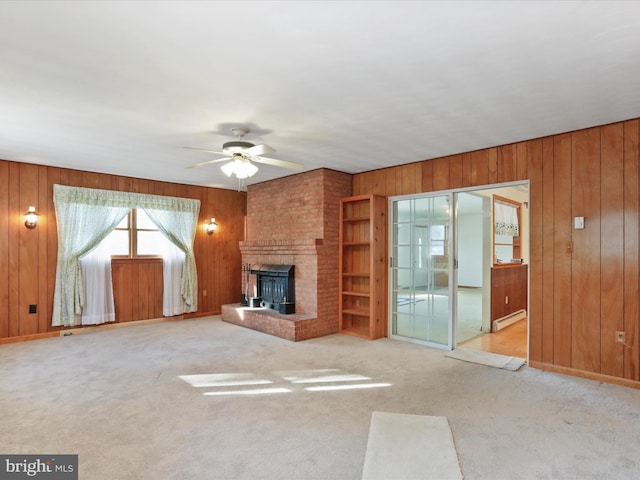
[
  {"x": 452, "y": 268},
  {"x": 453, "y": 277}
]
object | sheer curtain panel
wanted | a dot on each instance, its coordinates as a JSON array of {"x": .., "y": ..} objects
[
  {"x": 98, "y": 286},
  {"x": 177, "y": 219},
  {"x": 172, "y": 265}
]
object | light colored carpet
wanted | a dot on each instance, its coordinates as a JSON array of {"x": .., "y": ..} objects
[
  {"x": 410, "y": 447},
  {"x": 485, "y": 358},
  {"x": 203, "y": 399}
]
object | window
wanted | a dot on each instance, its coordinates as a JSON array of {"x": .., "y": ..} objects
[
  {"x": 135, "y": 236},
  {"x": 506, "y": 240},
  {"x": 438, "y": 239}
]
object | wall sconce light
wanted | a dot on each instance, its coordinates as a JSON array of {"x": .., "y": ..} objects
[
  {"x": 211, "y": 226},
  {"x": 31, "y": 217}
]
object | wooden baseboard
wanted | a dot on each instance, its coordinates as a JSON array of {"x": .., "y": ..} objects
[
  {"x": 589, "y": 375},
  {"x": 111, "y": 326},
  {"x": 25, "y": 338},
  {"x": 88, "y": 329}
]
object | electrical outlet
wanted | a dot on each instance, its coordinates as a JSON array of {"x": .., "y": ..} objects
[
  {"x": 33, "y": 308},
  {"x": 620, "y": 337},
  {"x": 204, "y": 293}
]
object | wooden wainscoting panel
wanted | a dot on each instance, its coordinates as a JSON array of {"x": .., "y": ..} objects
[
  {"x": 492, "y": 165},
  {"x": 27, "y": 252},
  {"x": 15, "y": 222},
  {"x": 508, "y": 290},
  {"x": 427, "y": 176},
  {"x": 44, "y": 231},
  {"x": 441, "y": 174},
  {"x": 536, "y": 223},
  {"x": 506, "y": 163},
  {"x": 5, "y": 220},
  {"x": 456, "y": 171},
  {"x": 137, "y": 289},
  {"x": 479, "y": 168},
  {"x": 54, "y": 175},
  {"x": 392, "y": 182},
  {"x": 466, "y": 169},
  {"x": 631, "y": 249},
  {"x": 612, "y": 259},
  {"x": 145, "y": 293},
  {"x": 562, "y": 239},
  {"x": 547, "y": 294},
  {"x": 522, "y": 164},
  {"x": 585, "y": 264},
  {"x": 122, "y": 294},
  {"x": 410, "y": 178}
]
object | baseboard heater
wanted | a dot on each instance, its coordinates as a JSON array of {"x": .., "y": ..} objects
[{"x": 507, "y": 320}]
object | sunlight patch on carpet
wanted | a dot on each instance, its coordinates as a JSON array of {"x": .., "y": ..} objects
[{"x": 287, "y": 381}]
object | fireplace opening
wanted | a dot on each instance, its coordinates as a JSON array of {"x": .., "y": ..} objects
[{"x": 275, "y": 287}]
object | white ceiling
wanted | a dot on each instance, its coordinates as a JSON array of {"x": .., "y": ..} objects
[{"x": 120, "y": 87}]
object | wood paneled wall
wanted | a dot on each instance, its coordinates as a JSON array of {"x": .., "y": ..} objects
[
  {"x": 28, "y": 257},
  {"x": 509, "y": 289},
  {"x": 137, "y": 289},
  {"x": 584, "y": 284}
]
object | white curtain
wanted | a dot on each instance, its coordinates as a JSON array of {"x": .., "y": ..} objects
[
  {"x": 172, "y": 263},
  {"x": 177, "y": 219},
  {"x": 86, "y": 216},
  {"x": 506, "y": 219},
  {"x": 98, "y": 287}
]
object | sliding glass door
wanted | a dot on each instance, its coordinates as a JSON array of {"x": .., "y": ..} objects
[{"x": 422, "y": 270}]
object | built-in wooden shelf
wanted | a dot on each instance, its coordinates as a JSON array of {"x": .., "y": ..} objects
[{"x": 363, "y": 266}]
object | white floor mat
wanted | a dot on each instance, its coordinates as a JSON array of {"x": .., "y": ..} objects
[
  {"x": 486, "y": 358},
  {"x": 407, "y": 447}
]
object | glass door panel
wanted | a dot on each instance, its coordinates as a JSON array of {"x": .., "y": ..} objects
[{"x": 422, "y": 244}]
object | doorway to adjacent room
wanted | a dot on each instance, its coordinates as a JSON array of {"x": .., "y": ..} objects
[{"x": 444, "y": 258}]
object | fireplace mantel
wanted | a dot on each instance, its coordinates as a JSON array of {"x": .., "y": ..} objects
[{"x": 287, "y": 246}]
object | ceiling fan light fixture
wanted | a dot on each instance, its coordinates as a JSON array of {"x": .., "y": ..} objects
[
  {"x": 239, "y": 155},
  {"x": 236, "y": 146},
  {"x": 240, "y": 167}
]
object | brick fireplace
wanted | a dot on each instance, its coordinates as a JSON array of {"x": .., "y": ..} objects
[{"x": 294, "y": 221}]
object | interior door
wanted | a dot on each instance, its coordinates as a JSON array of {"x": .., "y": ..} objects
[{"x": 422, "y": 270}]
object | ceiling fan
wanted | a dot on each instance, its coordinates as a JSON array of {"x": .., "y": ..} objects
[{"x": 241, "y": 154}]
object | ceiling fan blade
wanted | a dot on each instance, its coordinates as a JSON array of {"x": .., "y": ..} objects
[
  {"x": 278, "y": 163},
  {"x": 205, "y": 150},
  {"x": 261, "y": 149},
  {"x": 225, "y": 159}
]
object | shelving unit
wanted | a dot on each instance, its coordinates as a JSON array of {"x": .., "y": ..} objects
[{"x": 363, "y": 266}]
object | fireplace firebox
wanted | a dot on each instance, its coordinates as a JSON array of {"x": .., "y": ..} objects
[{"x": 275, "y": 287}]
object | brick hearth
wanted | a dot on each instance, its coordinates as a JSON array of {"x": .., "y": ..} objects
[
  {"x": 294, "y": 327},
  {"x": 294, "y": 221}
]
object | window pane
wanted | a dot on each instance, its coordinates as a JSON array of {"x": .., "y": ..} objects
[
  {"x": 124, "y": 223},
  {"x": 504, "y": 253},
  {"x": 403, "y": 210},
  {"x": 437, "y": 232},
  {"x": 118, "y": 242},
  {"x": 150, "y": 243},
  {"x": 143, "y": 221},
  {"x": 504, "y": 239}
]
